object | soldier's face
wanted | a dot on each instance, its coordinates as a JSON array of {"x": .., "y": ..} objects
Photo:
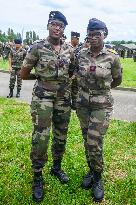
[
  {"x": 56, "y": 29},
  {"x": 75, "y": 41},
  {"x": 17, "y": 46},
  {"x": 96, "y": 37}
]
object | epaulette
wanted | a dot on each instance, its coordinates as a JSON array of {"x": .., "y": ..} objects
[
  {"x": 112, "y": 51},
  {"x": 34, "y": 44}
]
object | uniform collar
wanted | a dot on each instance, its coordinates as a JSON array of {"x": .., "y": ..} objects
[
  {"x": 103, "y": 51},
  {"x": 48, "y": 44}
]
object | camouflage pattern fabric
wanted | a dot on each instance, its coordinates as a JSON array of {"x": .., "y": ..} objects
[
  {"x": 51, "y": 99},
  {"x": 6, "y": 52},
  {"x": 74, "y": 83},
  {"x": 1, "y": 49},
  {"x": 134, "y": 56},
  {"x": 74, "y": 91},
  {"x": 94, "y": 112},
  {"x": 13, "y": 75},
  {"x": 17, "y": 57},
  {"x": 48, "y": 64},
  {"x": 97, "y": 73},
  {"x": 48, "y": 108},
  {"x": 94, "y": 102}
]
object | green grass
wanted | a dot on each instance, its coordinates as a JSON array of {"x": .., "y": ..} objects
[
  {"x": 129, "y": 72},
  {"x": 15, "y": 166},
  {"x": 3, "y": 64}
]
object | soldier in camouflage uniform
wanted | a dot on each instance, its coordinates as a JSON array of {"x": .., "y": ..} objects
[
  {"x": 63, "y": 38},
  {"x": 51, "y": 100},
  {"x": 86, "y": 43},
  {"x": 6, "y": 50},
  {"x": 16, "y": 58},
  {"x": 1, "y": 49},
  {"x": 74, "y": 86},
  {"x": 75, "y": 39},
  {"x": 98, "y": 71},
  {"x": 134, "y": 55}
]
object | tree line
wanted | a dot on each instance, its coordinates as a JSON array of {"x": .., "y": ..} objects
[
  {"x": 10, "y": 35},
  {"x": 117, "y": 43},
  {"x": 31, "y": 36}
]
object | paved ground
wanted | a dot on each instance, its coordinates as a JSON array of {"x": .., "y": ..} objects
[{"x": 124, "y": 105}]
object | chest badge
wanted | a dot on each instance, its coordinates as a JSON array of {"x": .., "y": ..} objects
[
  {"x": 92, "y": 68},
  {"x": 60, "y": 62}
]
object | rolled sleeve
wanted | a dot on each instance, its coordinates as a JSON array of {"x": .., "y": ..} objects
[{"x": 116, "y": 68}]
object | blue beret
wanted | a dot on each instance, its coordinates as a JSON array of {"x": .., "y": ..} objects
[
  {"x": 57, "y": 15},
  {"x": 95, "y": 24},
  {"x": 75, "y": 34},
  {"x": 17, "y": 41}
]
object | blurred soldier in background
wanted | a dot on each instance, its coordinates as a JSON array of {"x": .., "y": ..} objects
[
  {"x": 75, "y": 39},
  {"x": 74, "y": 86},
  {"x": 123, "y": 52},
  {"x": 63, "y": 38},
  {"x": 16, "y": 57},
  {"x": 1, "y": 49},
  {"x": 134, "y": 55},
  {"x": 6, "y": 50},
  {"x": 86, "y": 43}
]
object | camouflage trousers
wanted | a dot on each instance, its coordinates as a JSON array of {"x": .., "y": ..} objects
[
  {"x": 13, "y": 75},
  {"x": 49, "y": 108},
  {"x": 94, "y": 112},
  {"x": 74, "y": 91}
]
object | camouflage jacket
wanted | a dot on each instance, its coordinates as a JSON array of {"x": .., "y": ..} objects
[
  {"x": 6, "y": 51},
  {"x": 49, "y": 65},
  {"x": 97, "y": 73},
  {"x": 17, "y": 57}
]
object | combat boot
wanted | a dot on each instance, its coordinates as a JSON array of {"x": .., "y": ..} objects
[
  {"x": 87, "y": 181},
  {"x": 18, "y": 93},
  {"x": 58, "y": 172},
  {"x": 10, "y": 93},
  {"x": 37, "y": 187},
  {"x": 97, "y": 187}
]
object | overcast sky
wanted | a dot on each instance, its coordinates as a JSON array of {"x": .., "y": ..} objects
[{"x": 25, "y": 15}]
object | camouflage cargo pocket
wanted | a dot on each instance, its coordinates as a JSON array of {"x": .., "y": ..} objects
[
  {"x": 82, "y": 100},
  {"x": 110, "y": 99},
  {"x": 41, "y": 93},
  {"x": 101, "y": 101}
]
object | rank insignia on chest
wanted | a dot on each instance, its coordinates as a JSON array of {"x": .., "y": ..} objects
[
  {"x": 92, "y": 68},
  {"x": 61, "y": 63}
]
